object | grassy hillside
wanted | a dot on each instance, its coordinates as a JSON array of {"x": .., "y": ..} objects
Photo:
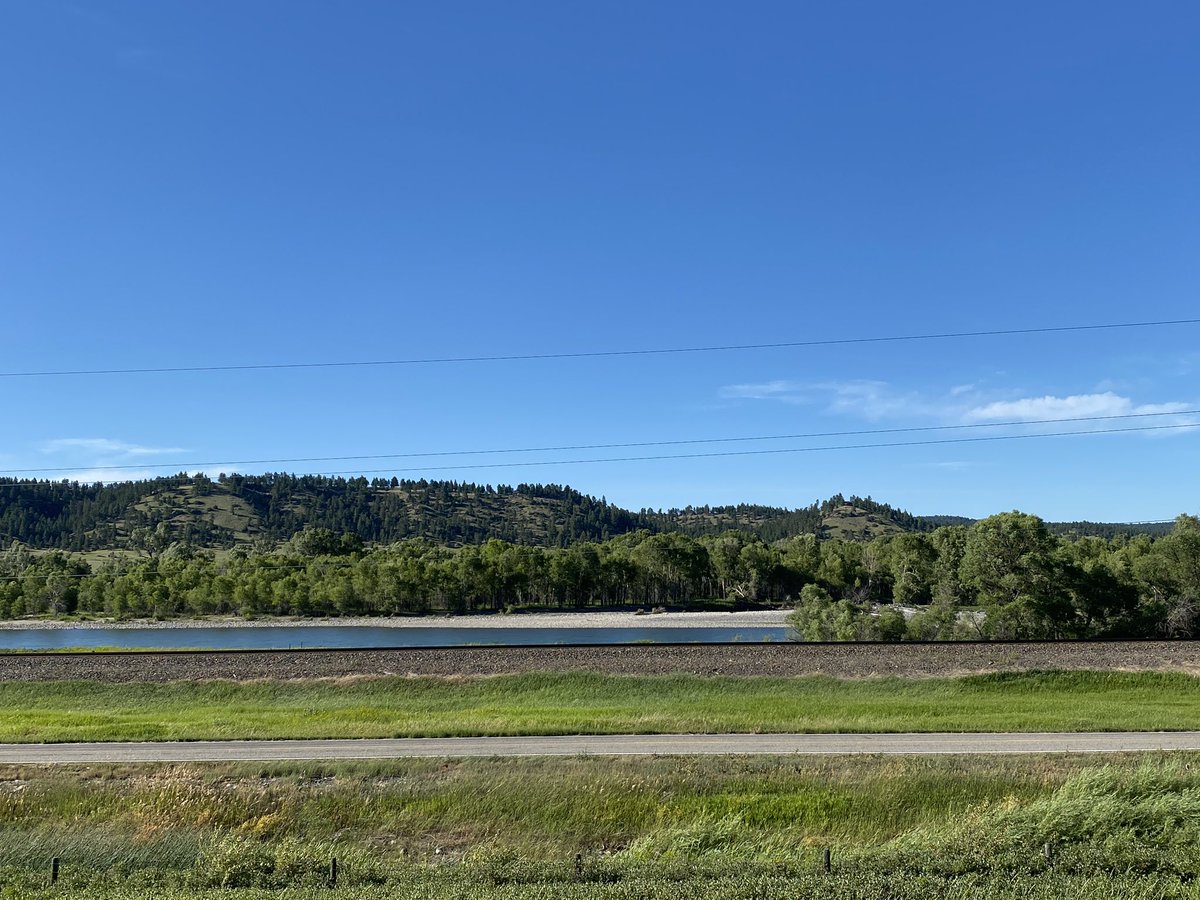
[
  {"x": 850, "y": 522},
  {"x": 265, "y": 510}
]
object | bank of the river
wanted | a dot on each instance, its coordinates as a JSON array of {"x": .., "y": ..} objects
[
  {"x": 838, "y": 660},
  {"x": 585, "y": 619}
]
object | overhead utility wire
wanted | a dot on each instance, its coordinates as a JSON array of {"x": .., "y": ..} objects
[
  {"x": 566, "y": 447},
  {"x": 598, "y": 354},
  {"x": 723, "y": 453}
]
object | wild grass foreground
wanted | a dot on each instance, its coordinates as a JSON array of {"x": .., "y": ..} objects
[
  {"x": 606, "y": 828},
  {"x": 581, "y": 703}
]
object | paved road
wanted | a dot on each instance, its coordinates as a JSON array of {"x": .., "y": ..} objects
[{"x": 598, "y": 745}]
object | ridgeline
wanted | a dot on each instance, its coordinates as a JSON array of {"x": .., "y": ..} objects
[{"x": 267, "y": 510}]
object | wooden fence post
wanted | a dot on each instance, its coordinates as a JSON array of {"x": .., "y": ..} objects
[
  {"x": 333, "y": 872},
  {"x": 54, "y": 864},
  {"x": 826, "y": 863}
]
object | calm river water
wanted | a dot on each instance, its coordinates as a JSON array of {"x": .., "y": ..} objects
[{"x": 283, "y": 637}]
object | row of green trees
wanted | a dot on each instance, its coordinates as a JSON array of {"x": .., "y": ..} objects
[{"x": 1002, "y": 577}]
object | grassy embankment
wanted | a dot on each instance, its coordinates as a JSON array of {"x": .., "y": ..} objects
[
  {"x": 646, "y": 828},
  {"x": 599, "y": 704}
]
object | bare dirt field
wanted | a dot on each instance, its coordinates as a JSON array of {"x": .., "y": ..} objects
[{"x": 838, "y": 660}]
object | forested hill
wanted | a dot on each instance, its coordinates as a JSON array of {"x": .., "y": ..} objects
[
  {"x": 267, "y": 509},
  {"x": 264, "y": 510},
  {"x": 853, "y": 517}
]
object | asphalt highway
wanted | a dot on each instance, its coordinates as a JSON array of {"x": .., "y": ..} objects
[{"x": 599, "y": 745}]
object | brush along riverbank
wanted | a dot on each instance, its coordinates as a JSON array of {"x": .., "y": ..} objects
[
  {"x": 606, "y": 828},
  {"x": 545, "y": 704}
]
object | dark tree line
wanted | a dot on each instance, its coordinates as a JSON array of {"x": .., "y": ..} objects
[
  {"x": 83, "y": 517},
  {"x": 1006, "y": 576},
  {"x": 79, "y": 517}
]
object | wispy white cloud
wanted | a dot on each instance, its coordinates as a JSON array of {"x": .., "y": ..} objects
[
  {"x": 876, "y": 400},
  {"x": 964, "y": 404},
  {"x": 1107, "y": 403},
  {"x": 787, "y": 391},
  {"x": 91, "y": 476},
  {"x": 106, "y": 446},
  {"x": 1051, "y": 407},
  {"x": 92, "y": 459},
  {"x": 869, "y": 399},
  {"x": 1155, "y": 408},
  {"x": 111, "y": 476}
]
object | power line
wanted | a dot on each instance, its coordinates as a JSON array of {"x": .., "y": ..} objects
[
  {"x": 179, "y": 466},
  {"x": 598, "y": 354},
  {"x": 725, "y": 453}
]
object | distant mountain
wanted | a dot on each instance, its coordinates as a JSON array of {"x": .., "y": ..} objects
[
  {"x": 265, "y": 510},
  {"x": 1108, "y": 529}
]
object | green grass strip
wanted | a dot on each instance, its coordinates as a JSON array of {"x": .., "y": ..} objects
[
  {"x": 594, "y": 704},
  {"x": 703, "y": 827}
]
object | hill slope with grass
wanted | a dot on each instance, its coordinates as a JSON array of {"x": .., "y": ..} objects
[{"x": 265, "y": 510}]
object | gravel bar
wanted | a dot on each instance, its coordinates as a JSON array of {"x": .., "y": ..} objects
[{"x": 838, "y": 660}]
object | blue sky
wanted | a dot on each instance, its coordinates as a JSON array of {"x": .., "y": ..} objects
[{"x": 220, "y": 184}]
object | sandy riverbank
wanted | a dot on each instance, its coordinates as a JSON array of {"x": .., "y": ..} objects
[{"x": 606, "y": 619}]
